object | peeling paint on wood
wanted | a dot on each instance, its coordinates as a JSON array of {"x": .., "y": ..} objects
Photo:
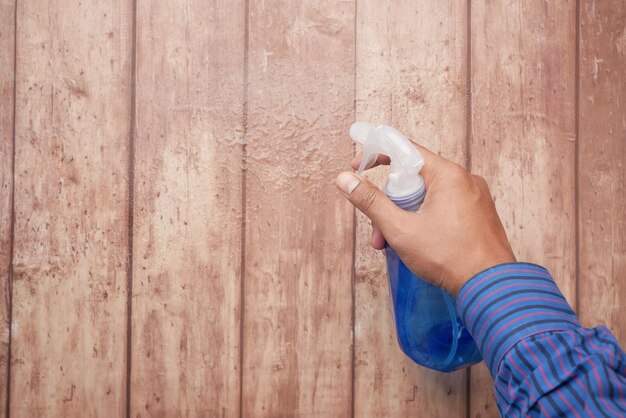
[
  {"x": 602, "y": 166},
  {"x": 71, "y": 209},
  {"x": 298, "y": 268},
  {"x": 523, "y": 64},
  {"x": 412, "y": 74},
  {"x": 7, "y": 52},
  {"x": 187, "y": 209}
]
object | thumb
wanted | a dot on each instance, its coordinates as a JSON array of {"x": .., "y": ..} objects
[{"x": 370, "y": 200}]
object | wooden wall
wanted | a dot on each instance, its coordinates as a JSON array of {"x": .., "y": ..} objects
[{"x": 171, "y": 243}]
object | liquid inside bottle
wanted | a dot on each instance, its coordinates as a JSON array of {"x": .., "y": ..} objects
[{"x": 428, "y": 327}]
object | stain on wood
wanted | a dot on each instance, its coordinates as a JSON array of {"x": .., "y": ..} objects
[
  {"x": 602, "y": 165},
  {"x": 187, "y": 209},
  {"x": 523, "y": 137},
  {"x": 298, "y": 268},
  {"x": 71, "y": 210},
  {"x": 7, "y": 76},
  {"x": 411, "y": 73}
]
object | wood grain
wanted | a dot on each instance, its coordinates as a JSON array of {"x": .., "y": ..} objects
[
  {"x": 298, "y": 298},
  {"x": 187, "y": 213},
  {"x": 200, "y": 214},
  {"x": 7, "y": 78},
  {"x": 523, "y": 136},
  {"x": 71, "y": 208},
  {"x": 602, "y": 169},
  {"x": 411, "y": 74}
]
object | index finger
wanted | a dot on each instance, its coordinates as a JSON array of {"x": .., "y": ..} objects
[
  {"x": 432, "y": 161},
  {"x": 382, "y": 159}
]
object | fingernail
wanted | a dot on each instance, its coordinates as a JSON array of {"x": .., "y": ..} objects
[{"x": 347, "y": 181}]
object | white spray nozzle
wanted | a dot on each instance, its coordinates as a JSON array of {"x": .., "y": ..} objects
[{"x": 406, "y": 161}]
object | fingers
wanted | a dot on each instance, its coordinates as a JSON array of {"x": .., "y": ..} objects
[
  {"x": 432, "y": 162},
  {"x": 429, "y": 157},
  {"x": 370, "y": 200},
  {"x": 378, "y": 240},
  {"x": 380, "y": 160}
]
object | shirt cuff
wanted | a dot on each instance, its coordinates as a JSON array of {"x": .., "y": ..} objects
[{"x": 506, "y": 303}]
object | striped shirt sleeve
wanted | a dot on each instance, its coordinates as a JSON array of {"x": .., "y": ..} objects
[{"x": 543, "y": 362}]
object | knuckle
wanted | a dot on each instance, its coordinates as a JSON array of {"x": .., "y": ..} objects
[
  {"x": 481, "y": 182},
  {"x": 366, "y": 199},
  {"x": 457, "y": 174}
]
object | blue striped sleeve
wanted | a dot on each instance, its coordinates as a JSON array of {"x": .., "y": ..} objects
[
  {"x": 506, "y": 303},
  {"x": 543, "y": 362}
]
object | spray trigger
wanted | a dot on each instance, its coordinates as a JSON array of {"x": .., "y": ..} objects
[{"x": 406, "y": 161}]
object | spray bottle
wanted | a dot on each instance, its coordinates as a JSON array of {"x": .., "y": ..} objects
[{"x": 428, "y": 326}]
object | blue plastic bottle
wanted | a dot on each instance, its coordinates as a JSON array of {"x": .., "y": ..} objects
[{"x": 428, "y": 327}]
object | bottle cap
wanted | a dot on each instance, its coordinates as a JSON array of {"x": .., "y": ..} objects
[{"x": 406, "y": 161}]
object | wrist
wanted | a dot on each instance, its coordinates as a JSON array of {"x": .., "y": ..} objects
[
  {"x": 506, "y": 303},
  {"x": 471, "y": 269}
]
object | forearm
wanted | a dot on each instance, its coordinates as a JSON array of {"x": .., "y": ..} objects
[{"x": 542, "y": 360}]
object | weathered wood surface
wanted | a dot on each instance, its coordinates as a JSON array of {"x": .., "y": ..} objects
[
  {"x": 7, "y": 77},
  {"x": 187, "y": 209},
  {"x": 411, "y": 73},
  {"x": 523, "y": 137},
  {"x": 73, "y": 91},
  {"x": 254, "y": 290},
  {"x": 297, "y": 358},
  {"x": 602, "y": 165}
]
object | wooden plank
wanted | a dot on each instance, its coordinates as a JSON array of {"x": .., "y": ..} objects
[
  {"x": 7, "y": 78},
  {"x": 298, "y": 299},
  {"x": 523, "y": 136},
  {"x": 187, "y": 213},
  {"x": 601, "y": 169},
  {"x": 412, "y": 74},
  {"x": 71, "y": 207}
]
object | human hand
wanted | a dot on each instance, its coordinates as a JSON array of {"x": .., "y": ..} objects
[{"x": 453, "y": 236}]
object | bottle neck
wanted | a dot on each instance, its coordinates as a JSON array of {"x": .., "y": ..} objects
[{"x": 410, "y": 202}]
